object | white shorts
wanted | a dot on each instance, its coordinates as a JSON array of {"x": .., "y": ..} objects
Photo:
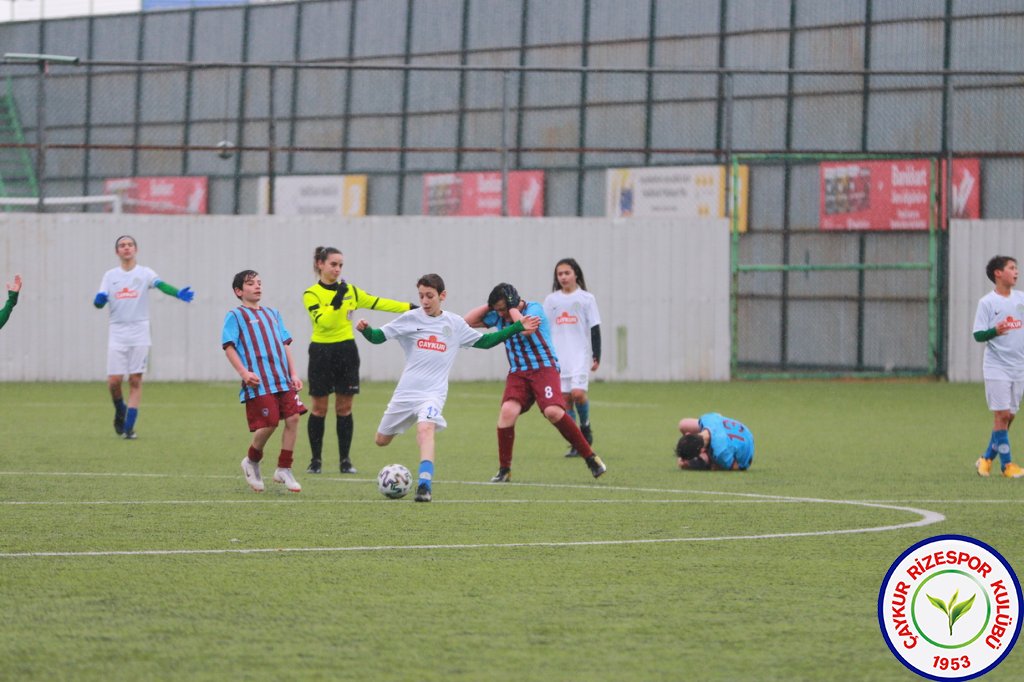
[
  {"x": 127, "y": 360},
  {"x": 1003, "y": 394},
  {"x": 401, "y": 415},
  {"x": 572, "y": 382}
]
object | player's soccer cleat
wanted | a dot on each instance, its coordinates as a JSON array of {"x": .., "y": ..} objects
[
  {"x": 251, "y": 470},
  {"x": 572, "y": 453},
  {"x": 504, "y": 475},
  {"x": 314, "y": 467},
  {"x": 119, "y": 423},
  {"x": 422, "y": 493},
  {"x": 595, "y": 465},
  {"x": 129, "y": 435},
  {"x": 587, "y": 433},
  {"x": 347, "y": 468},
  {"x": 984, "y": 466},
  {"x": 1011, "y": 470},
  {"x": 285, "y": 477}
]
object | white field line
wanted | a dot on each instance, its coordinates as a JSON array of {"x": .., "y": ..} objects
[
  {"x": 568, "y": 486},
  {"x": 925, "y": 518}
]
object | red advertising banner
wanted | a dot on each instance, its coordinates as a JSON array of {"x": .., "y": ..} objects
[
  {"x": 965, "y": 192},
  {"x": 167, "y": 195},
  {"x": 479, "y": 194},
  {"x": 891, "y": 195}
]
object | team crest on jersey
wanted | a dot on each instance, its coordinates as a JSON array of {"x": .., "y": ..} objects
[
  {"x": 566, "y": 318},
  {"x": 432, "y": 343},
  {"x": 126, "y": 293}
]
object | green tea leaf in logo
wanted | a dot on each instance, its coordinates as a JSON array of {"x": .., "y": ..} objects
[
  {"x": 954, "y": 611},
  {"x": 959, "y": 610},
  {"x": 938, "y": 603}
]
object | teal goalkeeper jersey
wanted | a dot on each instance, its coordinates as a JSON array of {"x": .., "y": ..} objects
[{"x": 731, "y": 441}]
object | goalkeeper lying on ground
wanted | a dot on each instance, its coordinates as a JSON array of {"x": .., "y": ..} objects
[{"x": 714, "y": 442}]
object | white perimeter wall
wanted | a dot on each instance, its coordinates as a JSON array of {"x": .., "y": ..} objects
[
  {"x": 662, "y": 286},
  {"x": 971, "y": 244}
]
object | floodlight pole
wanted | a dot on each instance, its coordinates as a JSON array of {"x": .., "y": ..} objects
[{"x": 42, "y": 61}]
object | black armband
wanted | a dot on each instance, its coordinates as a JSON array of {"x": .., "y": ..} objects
[{"x": 595, "y": 342}]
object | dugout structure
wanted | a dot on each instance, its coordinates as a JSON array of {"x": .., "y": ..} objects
[{"x": 813, "y": 303}]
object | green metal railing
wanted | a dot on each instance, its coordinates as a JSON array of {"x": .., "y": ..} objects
[
  {"x": 737, "y": 268},
  {"x": 16, "y": 166}
]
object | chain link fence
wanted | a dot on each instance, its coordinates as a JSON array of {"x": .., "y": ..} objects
[{"x": 242, "y": 98}]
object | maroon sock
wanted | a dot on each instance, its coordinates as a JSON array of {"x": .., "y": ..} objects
[
  {"x": 284, "y": 460},
  {"x": 571, "y": 432},
  {"x": 254, "y": 454},
  {"x": 506, "y": 438}
]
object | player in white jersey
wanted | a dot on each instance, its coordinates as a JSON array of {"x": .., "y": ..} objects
[
  {"x": 999, "y": 324},
  {"x": 576, "y": 333},
  {"x": 431, "y": 338},
  {"x": 126, "y": 288}
]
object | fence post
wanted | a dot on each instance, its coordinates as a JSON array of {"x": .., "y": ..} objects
[
  {"x": 271, "y": 142},
  {"x": 505, "y": 80},
  {"x": 41, "y": 134}
]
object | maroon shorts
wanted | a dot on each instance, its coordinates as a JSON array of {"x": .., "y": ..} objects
[
  {"x": 270, "y": 408},
  {"x": 542, "y": 386}
]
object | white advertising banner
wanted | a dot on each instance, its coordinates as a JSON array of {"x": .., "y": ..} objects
[
  {"x": 672, "y": 192},
  {"x": 341, "y": 195}
]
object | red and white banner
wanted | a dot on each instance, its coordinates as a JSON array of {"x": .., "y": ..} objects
[
  {"x": 479, "y": 194},
  {"x": 169, "y": 195},
  {"x": 892, "y": 195},
  {"x": 965, "y": 197}
]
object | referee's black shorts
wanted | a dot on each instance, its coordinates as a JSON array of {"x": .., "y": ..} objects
[{"x": 333, "y": 368}]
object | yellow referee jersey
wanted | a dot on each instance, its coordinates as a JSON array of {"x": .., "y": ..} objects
[{"x": 330, "y": 325}]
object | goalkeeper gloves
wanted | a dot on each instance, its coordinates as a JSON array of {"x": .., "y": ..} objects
[
  {"x": 340, "y": 295},
  {"x": 186, "y": 294},
  {"x": 100, "y": 300}
]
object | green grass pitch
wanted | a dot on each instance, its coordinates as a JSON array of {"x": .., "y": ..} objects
[{"x": 152, "y": 559}]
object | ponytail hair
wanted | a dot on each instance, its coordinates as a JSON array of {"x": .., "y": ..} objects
[{"x": 321, "y": 254}]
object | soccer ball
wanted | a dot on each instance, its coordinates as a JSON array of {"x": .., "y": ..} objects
[{"x": 394, "y": 481}]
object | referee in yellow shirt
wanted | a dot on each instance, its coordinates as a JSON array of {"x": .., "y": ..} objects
[{"x": 333, "y": 356}]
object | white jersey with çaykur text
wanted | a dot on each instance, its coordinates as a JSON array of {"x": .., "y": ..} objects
[
  {"x": 431, "y": 345},
  {"x": 571, "y": 317},
  {"x": 1004, "y": 354},
  {"x": 128, "y": 295}
]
